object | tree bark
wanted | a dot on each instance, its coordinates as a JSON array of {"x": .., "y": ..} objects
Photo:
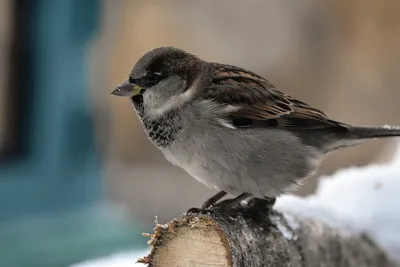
[{"x": 253, "y": 235}]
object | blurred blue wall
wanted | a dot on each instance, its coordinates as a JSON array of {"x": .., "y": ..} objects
[
  {"x": 48, "y": 196},
  {"x": 60, "y": 168}
]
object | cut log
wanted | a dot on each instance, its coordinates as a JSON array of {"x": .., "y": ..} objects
[{"x": 254, "y": 235}]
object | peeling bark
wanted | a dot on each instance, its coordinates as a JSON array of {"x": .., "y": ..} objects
[{"x": 253, "y": 235}]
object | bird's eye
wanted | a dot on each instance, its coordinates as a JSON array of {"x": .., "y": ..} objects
[
  {"x": 131, "y": 80},
  {"x": 151, "y": 79}
]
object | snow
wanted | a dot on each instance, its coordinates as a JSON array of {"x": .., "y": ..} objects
[
  {"x": 286, "y": 231},
  {"x": 357, "y": 200},
  {"x": 122, "y": 259}
]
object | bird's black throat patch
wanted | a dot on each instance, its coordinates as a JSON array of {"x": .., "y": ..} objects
[
  {"x": 137, "y": 101},
  {"x": 161, "y": 131}
]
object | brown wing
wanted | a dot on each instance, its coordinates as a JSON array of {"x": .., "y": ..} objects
[{"x": 259, "y": 101}]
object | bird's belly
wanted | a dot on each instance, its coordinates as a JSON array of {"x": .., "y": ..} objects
[
  {"x": 245, "y": 163},
  {"x": 196, "y": 168}
]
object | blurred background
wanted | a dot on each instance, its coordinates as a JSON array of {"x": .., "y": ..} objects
[{"x": 79, "y": 178}]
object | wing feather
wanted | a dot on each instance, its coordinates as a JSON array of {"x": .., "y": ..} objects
[{"x": 258, "y": 100}]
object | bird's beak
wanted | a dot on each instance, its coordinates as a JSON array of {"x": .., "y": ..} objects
[{"x": 127, "y": 89}]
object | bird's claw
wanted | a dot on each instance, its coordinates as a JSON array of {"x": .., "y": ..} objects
[
  {"x": 221, "y": 207},
  {"x": 201, "y": 211}
]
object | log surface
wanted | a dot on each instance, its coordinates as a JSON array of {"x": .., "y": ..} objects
[{"x": 249, "y": 235}]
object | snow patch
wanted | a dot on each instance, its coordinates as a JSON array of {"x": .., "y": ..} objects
[
  {"x": 356, "y": 200},
  {"x": 123, "y": 259}
]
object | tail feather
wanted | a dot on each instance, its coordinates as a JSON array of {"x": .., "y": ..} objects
[
  {"x": 374, "y": 132},
  {"x": 356, "y": 135}
]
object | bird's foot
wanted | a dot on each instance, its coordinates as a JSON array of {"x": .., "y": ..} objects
[
  {"x": 199, "y": 211},
  {"x": 266, "y": 203},
  {"x": 213, "y": 200},
  {"x": 222, "y": 207},
  {"x": 207, "y": 206}
]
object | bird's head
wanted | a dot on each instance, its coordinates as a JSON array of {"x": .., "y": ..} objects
[{"x": 163, "y": 79}]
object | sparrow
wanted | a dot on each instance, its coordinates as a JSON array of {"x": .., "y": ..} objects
[{"x": 230, "y": 128}]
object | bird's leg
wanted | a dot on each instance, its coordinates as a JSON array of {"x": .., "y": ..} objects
[
  {"x": 223, "y": 206},
  {"x": 208, "y": 203},
  {"x": 212, "y": 200},
  {"x": 230, "y": 203}
]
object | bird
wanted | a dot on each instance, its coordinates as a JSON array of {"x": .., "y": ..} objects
[{"x": 230, "y": 128}]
